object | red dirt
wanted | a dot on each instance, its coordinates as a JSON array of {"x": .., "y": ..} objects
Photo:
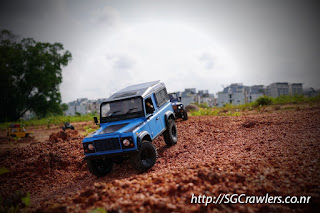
[{"x": 275, "y": 153}]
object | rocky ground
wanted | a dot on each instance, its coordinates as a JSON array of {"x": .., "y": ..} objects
[{"x": 276, "y": 153}]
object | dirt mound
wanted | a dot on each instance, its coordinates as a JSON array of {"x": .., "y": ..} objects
[
  {"x": 26, "y": 140},
  {"x": 63, "y": 135},
  {"x": 249, "y": 124},
  {"x": 192, "y": 107},
  {"x": 40, "y": 164}
]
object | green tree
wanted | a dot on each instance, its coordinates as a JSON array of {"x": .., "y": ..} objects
[
  {"x": 64, "y": 107},
  {"x": 30, "y": 75}
]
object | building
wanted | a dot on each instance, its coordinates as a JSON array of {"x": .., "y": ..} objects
[
  {"x": 83, "y": 106},
  {"x": 234, "y": 94},
  {"x": 310, "y": 92},
  {"x": 295, "y": 89},
  {"x": 277, "y": 89},
  {"x": 237, "y": 94},
  {"x": 254, "y": 92},
  {"x": 190, "y": 95},
  {"x": 283, "y": 88}
]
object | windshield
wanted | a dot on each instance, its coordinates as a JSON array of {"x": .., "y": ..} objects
[
  {"x": 173, "y": 96},
  {"x": 122, "y": 109}
]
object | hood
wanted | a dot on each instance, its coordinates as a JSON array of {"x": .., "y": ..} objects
[
  {"x": 175, "y": 103},
  {"x": 117, "y": 127}
]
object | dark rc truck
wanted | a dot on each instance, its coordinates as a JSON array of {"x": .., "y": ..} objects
[
  {"x": 129, "y": 121},
  {"x": 178, "y": 107},
  {"x": 67, "y": 125}
]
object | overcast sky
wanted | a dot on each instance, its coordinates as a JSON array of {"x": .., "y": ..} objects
[{"x": 201, "y": 44}]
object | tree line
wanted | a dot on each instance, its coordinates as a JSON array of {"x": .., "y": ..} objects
[{"x": 30, "y": 75}]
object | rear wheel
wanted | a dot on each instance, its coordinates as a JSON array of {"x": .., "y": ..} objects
[
  {"x": 100, "y": 167},
  {"x": 171, "y": 134},
  {"x": 145, "y": 158}
]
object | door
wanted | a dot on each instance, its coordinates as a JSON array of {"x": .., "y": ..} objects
[{"x": 152, "y": 114}]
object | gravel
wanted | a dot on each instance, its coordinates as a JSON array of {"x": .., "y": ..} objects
[{"x": 276, "y": 153}]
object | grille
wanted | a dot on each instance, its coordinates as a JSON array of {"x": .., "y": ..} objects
[{"x": 107, "y": 144}]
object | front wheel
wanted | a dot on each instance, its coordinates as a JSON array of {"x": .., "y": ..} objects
[
  {"x": 185, "y": 115},
  {"x": 171, "y": 134},
  {"x": 100, "y": 167},
  {"x": 145, "y": 158}
]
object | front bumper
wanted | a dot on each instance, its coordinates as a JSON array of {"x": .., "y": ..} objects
[
  {"x": 179, "y": 113},
  {"x": 111, "y": 155}
]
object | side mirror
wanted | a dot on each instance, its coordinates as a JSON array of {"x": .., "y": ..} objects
[
  {"x": 95, "y": 120},
  {"x": 179, "y": 98}
]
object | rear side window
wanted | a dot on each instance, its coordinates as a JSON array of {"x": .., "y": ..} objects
[{"x": 161, "y": 97}]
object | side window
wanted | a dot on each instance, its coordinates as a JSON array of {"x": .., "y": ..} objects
[
  {"x": 149, "y": 106},
  {"x": 161, "y": 97}
]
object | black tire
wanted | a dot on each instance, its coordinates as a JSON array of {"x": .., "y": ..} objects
[
  {"x": 145, "y": 158},
  {"x": 171, "y": 134},
  {"x": 185, "y": 115},
  {"x": 100, "y": 167},
  {"x": 119, "y": 160},
  {"x": 72, "y": 127}
]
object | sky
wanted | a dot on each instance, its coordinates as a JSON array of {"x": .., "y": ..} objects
[{"x": 186, "y": 44}]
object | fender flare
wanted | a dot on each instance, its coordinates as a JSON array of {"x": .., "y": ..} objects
[
  {"x": 140, "y": 137},
  {"x": 167, "y": 115}
]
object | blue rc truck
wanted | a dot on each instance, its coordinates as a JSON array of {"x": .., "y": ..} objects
[{"x": 129, "y": 121}]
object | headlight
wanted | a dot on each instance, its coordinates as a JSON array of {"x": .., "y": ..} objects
[
  {"x": 126, "y": 142},
  {"x": 180, "y": 107},
  {"x": 88, "y": 147},
  {"x": 91, "y": 147}
]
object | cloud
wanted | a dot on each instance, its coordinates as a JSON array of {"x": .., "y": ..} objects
[
  {"x": 106, "y": 16},
  {"x": 208, "y": 60},
  {"x": 197, "y": 44},
  {"x": 121, "y": 62},
  {"x": 123, "y": 54}
]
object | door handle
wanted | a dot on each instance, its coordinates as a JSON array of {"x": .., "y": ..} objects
[{"x": 158, "y": 118}]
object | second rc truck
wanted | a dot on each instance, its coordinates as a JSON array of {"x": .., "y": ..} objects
[
  {"x": 178, "y": 107},
  {"x": 129, "y": 121}
]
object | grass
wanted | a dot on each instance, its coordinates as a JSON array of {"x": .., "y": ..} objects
[
  {"x": 52, "y": 120},
  {"x": 227, "y": 110},
  {"x": 214, "y": 111},
  {"x": 258, "y": 106},
  {"x": 89, "y": 130}
]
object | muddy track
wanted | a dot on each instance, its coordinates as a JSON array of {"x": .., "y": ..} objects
[{"x": 275, "y": 153}]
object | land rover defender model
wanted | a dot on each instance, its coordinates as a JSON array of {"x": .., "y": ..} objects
[
  {"x": 129, "y": 121},
  {"x": 17, "y": 130},
  {"x": 178, "y": 107}
]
